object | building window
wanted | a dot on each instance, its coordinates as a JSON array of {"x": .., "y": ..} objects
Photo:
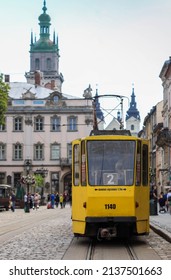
[
  {"x": 48, "y": 61},
  {"x": 2, "y": 180},
  {"x": 3, "y": 126},
  {"x": 72, "y": 123},
  {"x": 17, "y": 151},
  {"x": 132, "y": 127},
  {"x": 55, "y": 123},
  {"x": 39, "y": 123},
  {"x": 17, "y": 179},
  {"x": 55, "y": 151},
  {"x": 55, "y": 98},
  {"x": 55, "y": 181},
  {"x": 37, "y": 64},
  {"x": 18, "y": 124},
  {"x": 2, "y": 151},
  {"x": 69, "y": 152},
  {"x": 38, "y": 151}
]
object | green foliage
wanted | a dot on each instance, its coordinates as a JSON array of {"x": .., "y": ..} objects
[
  {"x": 4, "y": 89},
  {"x": 39, "y": 180}
]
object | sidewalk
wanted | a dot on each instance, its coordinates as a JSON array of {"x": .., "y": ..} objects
[{"x": 161, "y": 224}]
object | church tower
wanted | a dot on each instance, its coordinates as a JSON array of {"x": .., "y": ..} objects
[
  {"x": 44, "y": 57},
  {"x": 133, "y": 117}
]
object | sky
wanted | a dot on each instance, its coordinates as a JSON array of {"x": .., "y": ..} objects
[{"x": 111, "y": 45}]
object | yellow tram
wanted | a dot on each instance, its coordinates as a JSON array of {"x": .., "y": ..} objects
[{"x": 110, "y": 185}]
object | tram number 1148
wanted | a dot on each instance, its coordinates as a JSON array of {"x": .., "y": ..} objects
[{"x": 110, "y": 206}]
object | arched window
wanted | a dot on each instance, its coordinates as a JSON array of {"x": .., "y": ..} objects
[
  {"x": 48, "y": 62},
  {"x": 37, "y": 64},
  {"x": 132, "y": 127}
]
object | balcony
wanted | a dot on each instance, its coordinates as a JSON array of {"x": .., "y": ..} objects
[
  {"x": 65, "y": 162},
  {"x": 164, "y": 138}
]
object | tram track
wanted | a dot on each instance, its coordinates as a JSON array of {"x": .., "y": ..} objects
[
  {"x": 131, "y": 252},
  {"x": 90, "y": 250},
  {"x": 86, "y": 249}
]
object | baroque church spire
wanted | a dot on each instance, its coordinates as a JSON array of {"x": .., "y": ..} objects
[
  {"x": 44, "y": 56},
  {"x": 133, "y": 111}
]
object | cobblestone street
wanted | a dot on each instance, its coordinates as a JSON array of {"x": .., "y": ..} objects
[
  {"x": 50, "y": 238},
  {"x": 47, "y": 240}
]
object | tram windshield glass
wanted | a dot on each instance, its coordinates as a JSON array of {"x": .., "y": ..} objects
[{"x": 111, "y": 162}]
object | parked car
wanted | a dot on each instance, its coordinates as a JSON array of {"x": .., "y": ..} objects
[{"x": 5, "y": 191}]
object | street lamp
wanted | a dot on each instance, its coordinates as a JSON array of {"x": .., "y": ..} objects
[
  {"x": 28, "y": 165},
  {"x": 28, "y": 179}
]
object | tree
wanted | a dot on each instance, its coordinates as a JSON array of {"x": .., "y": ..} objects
[
  {"x": 4, "y": 89},
  {"x": 39, "y": 180}
]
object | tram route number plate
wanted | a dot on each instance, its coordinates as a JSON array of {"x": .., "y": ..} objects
[{"x": 110, "y": 178}]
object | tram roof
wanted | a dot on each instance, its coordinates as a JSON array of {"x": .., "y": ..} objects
[{"x": 111, "y": 132}]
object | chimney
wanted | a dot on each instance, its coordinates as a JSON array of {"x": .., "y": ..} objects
[{"x": 52, "y": 84}]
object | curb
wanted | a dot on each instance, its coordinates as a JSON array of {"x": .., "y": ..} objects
[{"x": 162, "y": 232}]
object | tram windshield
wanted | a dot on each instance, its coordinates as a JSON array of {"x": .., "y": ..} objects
[{"x": 111, "y": 162}]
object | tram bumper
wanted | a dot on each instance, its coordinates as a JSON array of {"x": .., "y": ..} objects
[{"x": 110, "y": 227}]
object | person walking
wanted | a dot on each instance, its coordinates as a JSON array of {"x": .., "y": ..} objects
[
  {"x": 57, "y": 199},
  {"x": 25, "y": 200},
  {"x": 36, "y": 201},
  {"x": 165, "y": 197},
  {"x": 52, "y": 198},
  {"x": 162, "y": 203},
  {"x": 169, "y": 200},
  {"x": 27, "y": 203},
  {"x": 61, "y": 199},
  {"x": 13, "y": 199}
]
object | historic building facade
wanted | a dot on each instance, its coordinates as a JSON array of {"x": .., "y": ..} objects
[
  {"x": 41, "y": 121},
  {"x": 164, "y": 135}
]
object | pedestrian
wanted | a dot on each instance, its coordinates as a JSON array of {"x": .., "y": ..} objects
[
  {"x": 48, "y": 197},
  {"x": 155, "y": 193},
  {"x": 61, "y": 199},
  {"x": 64, "y": 199},
  {"x": 169, "y": 200},
  {"x": 162, "y": 203},
  {"x": 57, "y": 199},
  {"x": 27, "y": 203},
  {"x": 31, "y": 201},
  {"x": 52, "y": 199},
  {"x": 166, "y": 202},
  {"x": 25, "y": 200},
  {"x": 36, "y": 201},
  {"x": 13, "y": 199}
]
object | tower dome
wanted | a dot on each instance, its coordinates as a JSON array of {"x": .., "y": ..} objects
[
  {"x": 44, "y": 18},
  {"x": 44, "y": 56}
]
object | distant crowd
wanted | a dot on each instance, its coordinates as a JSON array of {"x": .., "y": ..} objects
[
  {"x": 164, "y": 200},
  {"x": 33, "y": 201},
  {"x": 55, "y": 200}
]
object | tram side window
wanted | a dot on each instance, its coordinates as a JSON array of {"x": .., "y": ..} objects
[
  {"x": 138, "y": 164},
  {"x": 145, "y": 165},
  {"x": 83, "y": 164},
  {"x": 76, "y": 172}
]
